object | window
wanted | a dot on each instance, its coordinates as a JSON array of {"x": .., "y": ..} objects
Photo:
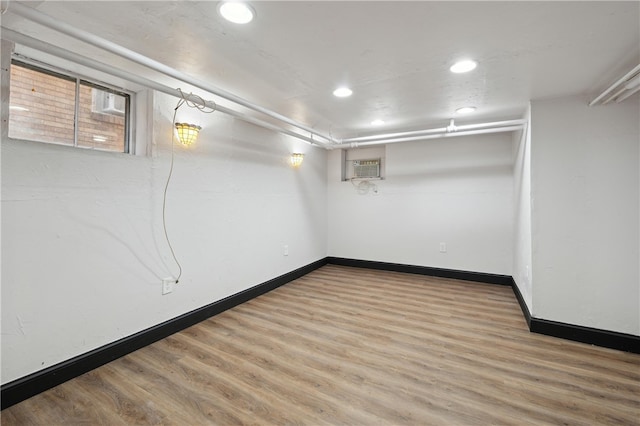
[{"x": 48, "y": 106}]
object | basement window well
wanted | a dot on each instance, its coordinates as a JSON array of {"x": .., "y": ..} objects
[{"x": 53, "y": 107}]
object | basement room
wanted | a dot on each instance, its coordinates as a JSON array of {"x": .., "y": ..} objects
[{"x": 320, "y": 212}]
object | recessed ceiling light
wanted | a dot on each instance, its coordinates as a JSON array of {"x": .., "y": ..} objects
[
  {"x": 377, "y": 122},
  {"x": 465, "y": 110},
  {"x": 17, "y": 108},
  {"x": 463, "y": 66},
  {"x": 236, "y": 12},
  {"x": 342, "y": 92}
]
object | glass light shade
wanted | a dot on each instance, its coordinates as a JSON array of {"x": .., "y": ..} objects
[
  {"x": 296, "y": 159},
  {"x": 187, "y": 133}
]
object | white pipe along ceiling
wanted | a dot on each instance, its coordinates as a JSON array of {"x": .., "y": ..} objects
[
  {"x": 328, "y": 142},
  {"x": 629, "y": 83},
  {"x": 439, "y": 134},
  {"x": 450, "y": 128}
]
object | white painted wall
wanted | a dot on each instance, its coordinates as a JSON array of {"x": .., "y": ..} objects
[
  {"x": 585, "y": 186},
  {"x": 456, "y": 190},
  {"x": 522, "y": 261},
  {"x": 83, "y": 251}
]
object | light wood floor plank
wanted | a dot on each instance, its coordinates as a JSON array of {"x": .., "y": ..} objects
[{"x": 359, "y": 347}]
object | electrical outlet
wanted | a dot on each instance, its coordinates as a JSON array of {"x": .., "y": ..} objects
[
  {"x": 443, "y": 247},
  {"x": 285, "y": 251},
  {"x": 167, "y": 285}
]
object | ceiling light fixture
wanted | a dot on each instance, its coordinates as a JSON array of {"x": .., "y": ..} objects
[
  {"x": 236, "y": 12},
  {"x": 187, "y": 133},
  {"x": 463, "y": 66},
  {"x": 342, "y": 92},
  {"x": 296, "y": 159},
  {"x": 377, "y": 122},
  {"x": 17, "y": 108},
  {"x": 465, "y": 110}
]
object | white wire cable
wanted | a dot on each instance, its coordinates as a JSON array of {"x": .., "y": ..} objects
[
  {"x": 166, "y": 186},
  {"x": 5, "y": 8},
  {"x": 202, "y": 108}
]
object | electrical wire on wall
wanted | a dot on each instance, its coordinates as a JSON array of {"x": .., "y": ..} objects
[{"x": 202, "y": 108}]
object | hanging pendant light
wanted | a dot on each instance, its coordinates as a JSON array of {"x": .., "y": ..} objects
[{"x": 187, "y": 133}]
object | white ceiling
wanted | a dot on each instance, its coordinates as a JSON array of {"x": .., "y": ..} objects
[{"x": 394, "y": 55}]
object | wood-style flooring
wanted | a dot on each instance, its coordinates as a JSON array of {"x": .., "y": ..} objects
[{"x": 359, "y": 347}]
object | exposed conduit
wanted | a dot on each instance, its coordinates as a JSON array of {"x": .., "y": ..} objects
[
  {"x": 440, "y": 134},
  {"x": 436, "y": 130},
  {"x": 629, "y": 81},
  {"x": 50, "y": 22},
  {"x": 629, "y": 93}
]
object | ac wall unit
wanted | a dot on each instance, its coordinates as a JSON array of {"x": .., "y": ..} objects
[
  {"x": 113, "y": 104},
  {"x": 366, "y": 168}
]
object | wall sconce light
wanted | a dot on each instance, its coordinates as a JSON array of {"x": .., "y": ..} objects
[
  {"x": 296, "y": 159},
  {"x": 187, "y": 133}
]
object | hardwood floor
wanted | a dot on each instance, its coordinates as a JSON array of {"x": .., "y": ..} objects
[{"x": 353, "y": 346}]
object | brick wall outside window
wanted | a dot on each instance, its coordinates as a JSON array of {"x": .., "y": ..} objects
[{"x": 42, "y": 108}]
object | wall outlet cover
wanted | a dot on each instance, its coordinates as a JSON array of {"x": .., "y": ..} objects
[{"x": 167, "y": 285}]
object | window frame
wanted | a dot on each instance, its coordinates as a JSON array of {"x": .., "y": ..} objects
[{"x": 80, "y": 80}]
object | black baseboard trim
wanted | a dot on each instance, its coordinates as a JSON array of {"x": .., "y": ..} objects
[
  {"x": 577, "y": 333},
  {"x": 522, "y": 303},
  {"x": 424, "y": 270},
  {"x": 593, "y": 336},
  {"x": 40, "y": 381}
]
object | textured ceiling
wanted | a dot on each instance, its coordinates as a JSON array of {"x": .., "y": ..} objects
[{"x": 394, "y": 55}]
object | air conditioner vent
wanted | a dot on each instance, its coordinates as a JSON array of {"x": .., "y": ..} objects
[
  {"x": 366, "y": 168},
  {"x": 108, "y": 103}
]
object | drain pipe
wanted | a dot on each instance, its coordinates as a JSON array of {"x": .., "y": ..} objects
[
  {"x": 116, "y": 72},
  {"x": 52, "y": 23}
]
